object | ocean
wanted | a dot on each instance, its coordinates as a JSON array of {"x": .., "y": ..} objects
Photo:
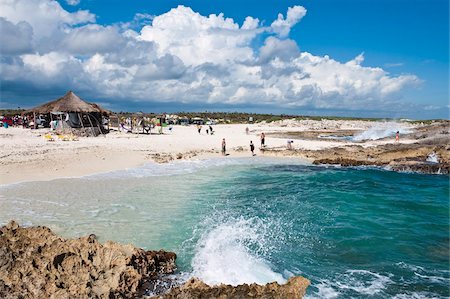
[{"x": 354, "y": 232}]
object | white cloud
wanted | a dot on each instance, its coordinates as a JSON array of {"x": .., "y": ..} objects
[
  {"x": 182, "y": 56},
  {"x": 197, "y": 39},
  {"x": 46, "y": 17},
  {"x": 283, "y": 26},
  {"x": 393, "y": 64},
  {"x": 275, "y": 48},
  {"x": 91, "y": 39},
  {"x": 250, "y": 23},
  {"x": 50, "y": 64},
  {"x": 73, "y": 2}
]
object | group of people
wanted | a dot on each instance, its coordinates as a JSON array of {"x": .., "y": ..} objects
[
  {"x": 252, "y": 145},
  {"x": 209, "y": 130},
  {"x": 15, "y": 121}
]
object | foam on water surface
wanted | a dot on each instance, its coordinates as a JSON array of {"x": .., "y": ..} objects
[{"x": 191, "y": 166}]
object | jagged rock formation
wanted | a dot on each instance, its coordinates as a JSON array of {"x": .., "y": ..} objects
[
  {"x": 398, "y": 157},
  {"x": 36, "y": 263},
  {"x": 295, "y": 287}
]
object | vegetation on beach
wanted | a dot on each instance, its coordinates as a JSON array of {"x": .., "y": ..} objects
[{"x": 239, "y": 117}]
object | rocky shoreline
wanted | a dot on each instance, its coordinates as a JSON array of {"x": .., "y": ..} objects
[
  {"x": 36, "y": 263},
  {"x": 430, "y": 141}
]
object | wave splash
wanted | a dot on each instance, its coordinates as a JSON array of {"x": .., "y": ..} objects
[
  {"x": 382, "y": 130},
  {"x": 228, "y": 253},
  {"x": 433, "y": 158}
]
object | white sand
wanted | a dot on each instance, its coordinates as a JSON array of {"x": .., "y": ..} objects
[{"x": 25, "y": 155}]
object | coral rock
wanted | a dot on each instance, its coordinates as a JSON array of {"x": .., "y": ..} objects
[
  {"x": 36, "y": 263},
  {"x": 295, "y": 287}
]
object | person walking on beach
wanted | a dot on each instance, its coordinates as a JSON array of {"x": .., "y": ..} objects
[
  {"x": 397, "y": 136},
  {"x": 252, "y": 148},
  {"x": 224, "y": 147},
  {"x": 263, "y": 139},
  {"x": 211, "y": 130},
  {"x": 289, "y": 144},
  {"x": 246, "y": 130},
  {"x": 199, "y": 128}
]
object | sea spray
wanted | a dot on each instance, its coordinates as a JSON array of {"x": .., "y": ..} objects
[
  {"x": 227, "y": 253},
  {"x": 382, "y": 130},
  {"x": 433, "y": 158}
]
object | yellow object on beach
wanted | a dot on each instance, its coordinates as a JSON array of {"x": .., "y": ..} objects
[
  {"x": 63, "y": 138},
  {"x": 49, "y": 137},
  {"x": 73, "y": 137}
]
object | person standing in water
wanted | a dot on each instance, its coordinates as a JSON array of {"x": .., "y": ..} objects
[
  {"x": 263, "y": 139},
  {"x": 224, "y": 147},
  {"x": 397, "y": 136},
  {"x": 252, "y": 148}
]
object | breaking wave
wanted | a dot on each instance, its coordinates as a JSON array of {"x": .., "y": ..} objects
[
  {"x": 382, "y": 130},
  {"x": 232, "y": 252}
]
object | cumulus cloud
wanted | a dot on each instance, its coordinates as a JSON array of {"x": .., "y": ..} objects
[
  {"x": 282, "y": 26},
  {"x": 92, "y": 39},
  {"x": 15, "y": 38},
  {"x": 139, "y": 20},
  {"x": 196, "y": 39},
  {"x": 275, "y": 48},
  {"x": 181, "y": 56}
]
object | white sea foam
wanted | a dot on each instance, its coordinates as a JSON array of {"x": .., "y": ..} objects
[
  {"x": 416, "y": 295},
  {"x": 324, "y": 291},
  {"x": 191, "y": 166},
  {"x": 363, "y": 282},
  {"x": 223, "y": 255},
  {"x": 428, "y": 275},
  {"x": 382, "y": 130},
  {"x": 433, "y": 158}
]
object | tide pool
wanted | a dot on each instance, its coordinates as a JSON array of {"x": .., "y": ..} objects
[{"x": 355, "y": 233}]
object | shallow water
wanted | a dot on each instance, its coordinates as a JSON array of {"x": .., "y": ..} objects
[{"x": 353, "y": 232}]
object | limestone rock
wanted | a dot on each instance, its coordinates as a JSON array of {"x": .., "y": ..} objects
[
  {"x": 36, "y": 263},
  {"x": 295, "y": 287}
]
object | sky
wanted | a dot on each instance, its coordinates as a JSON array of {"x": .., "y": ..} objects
[{"x": 356, "y": 58}]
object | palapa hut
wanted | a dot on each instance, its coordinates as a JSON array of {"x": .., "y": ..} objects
[{"x": 71, "y": 112}]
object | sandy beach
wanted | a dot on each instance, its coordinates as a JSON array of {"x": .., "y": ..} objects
[{"x": 25, "y": 155}]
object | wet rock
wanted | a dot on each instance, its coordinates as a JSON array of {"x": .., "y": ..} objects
[
  {"x": 341, "y": 161},
  {"x": 295, "y": 287},
  {"x": 36, "y": 263},
  {"x": 422, "y": 167},
  {"x": 162, "y": 158}
]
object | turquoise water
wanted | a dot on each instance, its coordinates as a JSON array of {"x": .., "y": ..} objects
[{"x": 355, "y": 233}]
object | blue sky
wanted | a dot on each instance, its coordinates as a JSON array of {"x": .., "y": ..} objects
[{"x": 402, "y": 72}]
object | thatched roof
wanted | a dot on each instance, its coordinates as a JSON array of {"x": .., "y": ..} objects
[{"x": 70, "y": 102}]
